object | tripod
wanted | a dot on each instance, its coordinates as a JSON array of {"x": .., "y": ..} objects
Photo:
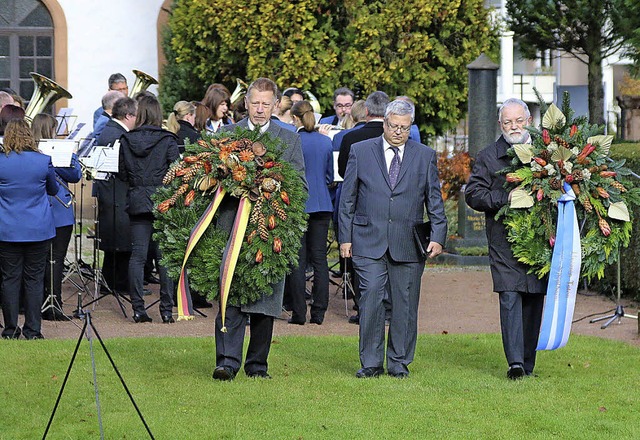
[
  {"x": 619, "y": 313},
  {"x": 89, "y": 332},
  {"x": 51, "y": 304}
]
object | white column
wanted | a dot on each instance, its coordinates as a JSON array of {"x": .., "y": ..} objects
[{"x": 506, "y": 66}]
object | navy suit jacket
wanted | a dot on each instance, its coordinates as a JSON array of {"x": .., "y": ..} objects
[
  {"x": 64, "y": 216},
  {"x": 318, "y": 160},
  {"x": 25, "y": 212},
  {"x": 374, "y": 217}
]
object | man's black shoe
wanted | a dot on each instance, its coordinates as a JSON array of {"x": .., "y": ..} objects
[
  {"x": 296, "y": 321},
  {"x": 168, "y": 319},
  {"x": 515, "y": 372},
  {"x": 316, "y": 320},
  {"x": 223, "y": 372},
  {"x": 355, "y": 319},
  {"x": 400, "y": 375},
  {"x": 259, "y": 375},
  {"x": 369, "y": 372},
  {"x": 141, "y": 317},
  {"x": 199, "y": 302}
]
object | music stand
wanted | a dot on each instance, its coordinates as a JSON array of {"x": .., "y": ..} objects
[{"x": 619, "y": 313}]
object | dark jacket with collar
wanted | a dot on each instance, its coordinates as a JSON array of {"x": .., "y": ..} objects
[
  {"x": 485, "y": 192},
  {"x": 145, "y": 156},
  {"x": 371, "y": 129},
  {"x": 185, "y": 132}
]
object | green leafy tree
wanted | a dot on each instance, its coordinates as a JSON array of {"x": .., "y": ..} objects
[
  {"x": 589, "y": 30},
  {"x": 413, "y": 48}
]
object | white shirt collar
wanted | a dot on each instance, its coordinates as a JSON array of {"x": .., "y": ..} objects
[{"x": 263, "y": 128}]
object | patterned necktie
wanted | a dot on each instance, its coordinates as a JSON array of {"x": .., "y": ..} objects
[{"x": 394, "y": 168}]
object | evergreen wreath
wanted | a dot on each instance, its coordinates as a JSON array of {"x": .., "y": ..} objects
[
  {"x": 571, "y": 151},
  {"x": 244, "y": 163}
]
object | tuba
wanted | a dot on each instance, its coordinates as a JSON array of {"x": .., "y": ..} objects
[
  {"x": 46, "y": 92},
  {"x": 315, "y": 104},
  {"x": 142, "y": 82},
  {"x": 239, "y": 92}
]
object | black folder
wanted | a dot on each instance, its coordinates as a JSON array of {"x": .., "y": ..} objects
[{"x": 422, "y": 235}]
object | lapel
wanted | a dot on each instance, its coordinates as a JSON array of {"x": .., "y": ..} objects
[
  {"x": 410, "y": 151},
  {"x": 378, "y": 154}
]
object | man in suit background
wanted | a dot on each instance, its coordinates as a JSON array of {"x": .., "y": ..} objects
[
  {"x": 389, "y": 182},
  {"x": 342, "y": 102},
  {"x": 113, "y": 221},
  {"x": 260, "y": 101},
  {"x": 375, "y": 104},
  {"x": 117, "y": 81}
]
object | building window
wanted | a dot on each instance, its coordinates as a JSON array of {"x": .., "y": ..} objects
[{"x": 26, "y": 44}]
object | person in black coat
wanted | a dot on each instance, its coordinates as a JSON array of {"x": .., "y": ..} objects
[
  {"x": 113, "y": 221},
  {"x": 145, "y": 155},
  {"x": 181, "y": 121},
  {"x": 521, "y": 293}
]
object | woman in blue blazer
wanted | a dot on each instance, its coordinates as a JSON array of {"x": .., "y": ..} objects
[
  {"x": 26, "y": 227},
  {"x": 318, "y": 160},
  {"x": 44, "y": 127}
]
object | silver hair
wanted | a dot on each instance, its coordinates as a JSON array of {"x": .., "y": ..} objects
[
  {"x": 110, "y": 98},
  {"x": 400, "y": 107},
  {"x": 514, "y": 101}
]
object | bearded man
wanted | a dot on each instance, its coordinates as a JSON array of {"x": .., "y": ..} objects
[{"x": 521, "y": 294}]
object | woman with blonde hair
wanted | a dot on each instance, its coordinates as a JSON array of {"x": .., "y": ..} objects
[
  {"x": 318, "y": 159},
  {"x": 181, "y": 122},
  {"x": 26, "y": 227}
]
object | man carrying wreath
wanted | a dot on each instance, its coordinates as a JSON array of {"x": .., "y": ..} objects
[
  {"x": 521, "y": 293},
  {"x": 260, "y": 101}
]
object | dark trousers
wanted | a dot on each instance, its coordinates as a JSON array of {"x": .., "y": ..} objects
[
  {"x": 520, "y": 319},
  {"x": 54, "y": 271},
  {"x": 115, "y": 269},
  {"x": 229, "y": 344},
  {"x": 314, "y": 251},
  {"x": 22, "y": 265},
  {"x": 401, "y": 282},
  {"x": 141, "y": 232}
]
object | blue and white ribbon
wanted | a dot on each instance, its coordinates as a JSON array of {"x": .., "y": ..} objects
[{"x": 563, "y": 277}]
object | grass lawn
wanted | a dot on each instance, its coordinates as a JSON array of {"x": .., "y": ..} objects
[{"x": 457, "y": 389}]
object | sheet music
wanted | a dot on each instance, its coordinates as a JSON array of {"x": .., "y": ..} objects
[
  {"x": 60, "y": 151},
  {"x": 76, "y": 130},
  {"x": 336, "y": 175},
  {"x": 107, "y": 158}
]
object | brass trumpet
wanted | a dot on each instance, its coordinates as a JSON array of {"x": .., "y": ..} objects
[
  {"x": 239, "y": 92},
  {"x": 46, "y": 92},
  {"x": 143, "y": 82}
]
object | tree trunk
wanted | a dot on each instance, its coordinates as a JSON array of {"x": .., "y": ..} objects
[{"x": 596, "y": 88}]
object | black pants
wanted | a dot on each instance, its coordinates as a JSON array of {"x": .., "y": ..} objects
[
  {"x": 229, "y": 344},
  {"x": 141, "y": 232},
  {"x": 115, "y": 269},
  {"x": 314, "y": 251},
  {"x": 520, "y": 319},
  {"x": 22, "y": 265},
  {"x": 54, "y": 270}
]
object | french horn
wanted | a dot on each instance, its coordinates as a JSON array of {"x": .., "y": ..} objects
[
  {"x": 239, "y": 92},
  {"x": 143, "y": 82},
  {"x": 315, "y": 104},
  {"x": 46, "y": 92}
]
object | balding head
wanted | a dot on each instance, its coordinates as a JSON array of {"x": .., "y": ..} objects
[{"x": 5, "y": 98}]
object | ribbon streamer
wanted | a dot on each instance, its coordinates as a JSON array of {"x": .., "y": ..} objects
[
  {"x": 563, "y": 277},
  {"x": 185, "y": 308},
  {"x": 231, "y": 254}
]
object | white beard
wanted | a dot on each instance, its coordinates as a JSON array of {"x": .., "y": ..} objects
[{"x": 516, "y": 138}]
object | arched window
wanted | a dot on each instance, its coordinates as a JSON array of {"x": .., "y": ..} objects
[{"x": 26, "y": 44}]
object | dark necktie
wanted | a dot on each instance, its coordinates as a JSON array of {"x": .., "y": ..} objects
[{"x": 394, "y": 168}]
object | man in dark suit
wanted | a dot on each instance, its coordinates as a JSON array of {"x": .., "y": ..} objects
[
  {"x": 521, "y": 293},
  {"x": 111, "y": 194},
  {"x": 260, "y": 100},
  {"x": 342, "y": 102},
  {"x": 389, "y": 182},
  {"x": 375, "y": 105}
]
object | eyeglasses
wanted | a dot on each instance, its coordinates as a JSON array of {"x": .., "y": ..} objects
[
  {"x": 517, "y": 123},
  {"x": 400, "y": 128},
  {"x": 343, "y": 106}
]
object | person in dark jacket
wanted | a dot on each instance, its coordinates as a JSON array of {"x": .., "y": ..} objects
[
  {"x": 521, "y": 293},
  {"x": 180, "y": 122},
  {"x": 145, "y": 155},
  {"x": 26, "y": 227},
  {"x": 318, "y": 159},
  {"x": 114, "y": 230}
]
